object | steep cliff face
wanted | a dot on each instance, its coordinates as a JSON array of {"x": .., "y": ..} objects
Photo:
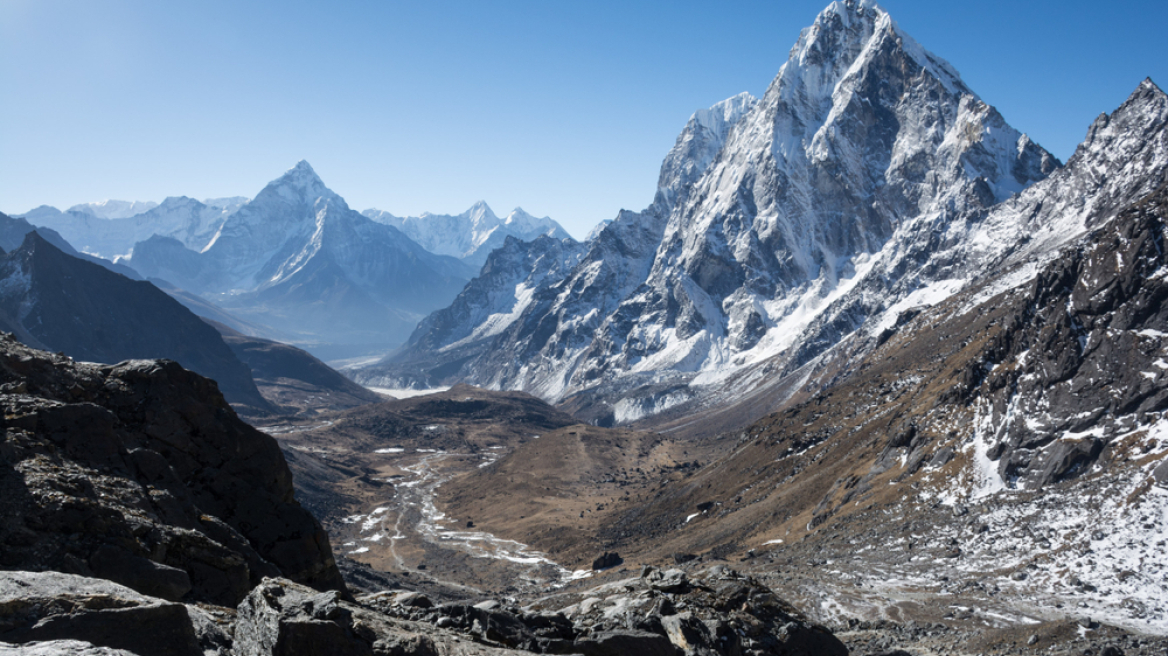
[
  {"x": 142, "y": 474},
  {"x": 1079, "y": 362},
  {"x": 770, "y": 211},
  {"x": 578, "y": 288},
  {"x": 1006, "y": 433}
]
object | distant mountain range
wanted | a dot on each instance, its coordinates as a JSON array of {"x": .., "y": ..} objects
[
  {"x": 55, "y": 301},
  {"x": 472, "y": 235},
  {"x": 186, "y": 219},
  {"x": 296, "y": 262}
]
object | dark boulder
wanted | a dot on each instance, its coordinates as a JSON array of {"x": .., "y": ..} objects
[
  {"x": 622, "y": 643},
  {"x": 606, "y": 560}
]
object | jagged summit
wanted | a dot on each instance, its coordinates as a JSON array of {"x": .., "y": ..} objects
[
  {"x": 471, "y": 235},
  {"x": 114, "y": 209},
  {"x": 299, "y": 184},
  {"x": 1148, "y": 99},
  {"x": 726, "y": 113},
  {"x": 868, "y": 176},
  {"x": 847, "y": 35},
  {"x": 480, "y": 212}
]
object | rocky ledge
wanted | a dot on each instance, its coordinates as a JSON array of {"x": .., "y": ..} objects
[{"x": 140, "y": 473}]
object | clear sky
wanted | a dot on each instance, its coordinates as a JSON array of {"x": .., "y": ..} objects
[{"x": 563, "y": 108}]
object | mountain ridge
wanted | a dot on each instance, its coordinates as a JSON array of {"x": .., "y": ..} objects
[
  {"x": 298, "y": 259},
  {"x": 92, "y": 314},
  {"x": 472, "y": 235},
  {"x": 863, "y": 144}
]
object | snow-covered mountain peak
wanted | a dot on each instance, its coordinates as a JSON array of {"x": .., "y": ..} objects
[
  {"x": 597, "y": 229},
  {"x": 726, "y": 113},
  {"x": 1147, "y": 105},
  {"x": 481, "y": 216},
  {"x": 471, "y": 235},
  {"x": 842, "y": 42},
  {"x": 114, "y": 209},
  {"x": 522, "y": 223},
  {"x": 695, "y": 148},
  {"x": 174, "y": 202},
  {"x": 300, "y": 185},
  {"x": 827, "y": 192},
  {"x": 228, "y": 203}
]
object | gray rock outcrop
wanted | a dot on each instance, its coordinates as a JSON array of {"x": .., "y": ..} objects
[
  {"x": 141, "y": 473},
  {"x": 281, "y": 618},
  {"x": 47, "y": 607}
]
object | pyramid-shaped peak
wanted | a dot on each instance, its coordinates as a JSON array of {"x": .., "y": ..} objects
[
  {"x": 299, "y": 183},
  {"x": 35, "y": 242},
  {"x": 303, "y": 171},
  {"x": 848, "y": 39},
  {"x": 518, "y": 217},
  {"x": 1148, "y": 89},
  {"x": 480, "y": 211},
  {"x": 854, "y": 16},
  {"x": 851, "y": 9}
]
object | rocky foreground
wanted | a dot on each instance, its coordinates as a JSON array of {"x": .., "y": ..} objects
[{"x": 139, "y": 515}]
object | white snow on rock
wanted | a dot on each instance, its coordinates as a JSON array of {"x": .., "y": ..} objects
[
  {"x": 472, "y": 235},
  {"x": 781, "y": 226},
  {"x": 114, "y": 209}
]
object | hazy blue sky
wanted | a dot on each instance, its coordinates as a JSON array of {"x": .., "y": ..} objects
[{"x": 564, "y": 108}]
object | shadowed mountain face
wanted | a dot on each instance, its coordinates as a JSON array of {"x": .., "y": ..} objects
[
  {"x": 59, "y": 302},
  {"x": 13, "y": 231},
  {"x": 292, "y": 378}
]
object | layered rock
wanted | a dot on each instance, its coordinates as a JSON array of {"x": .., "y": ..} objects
[
  {"x": 716, "y": 612},
  {"x": 50, "y": 607},
  {"x": 280, "y": 618},
  {"x": 141, "y": 473}
]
